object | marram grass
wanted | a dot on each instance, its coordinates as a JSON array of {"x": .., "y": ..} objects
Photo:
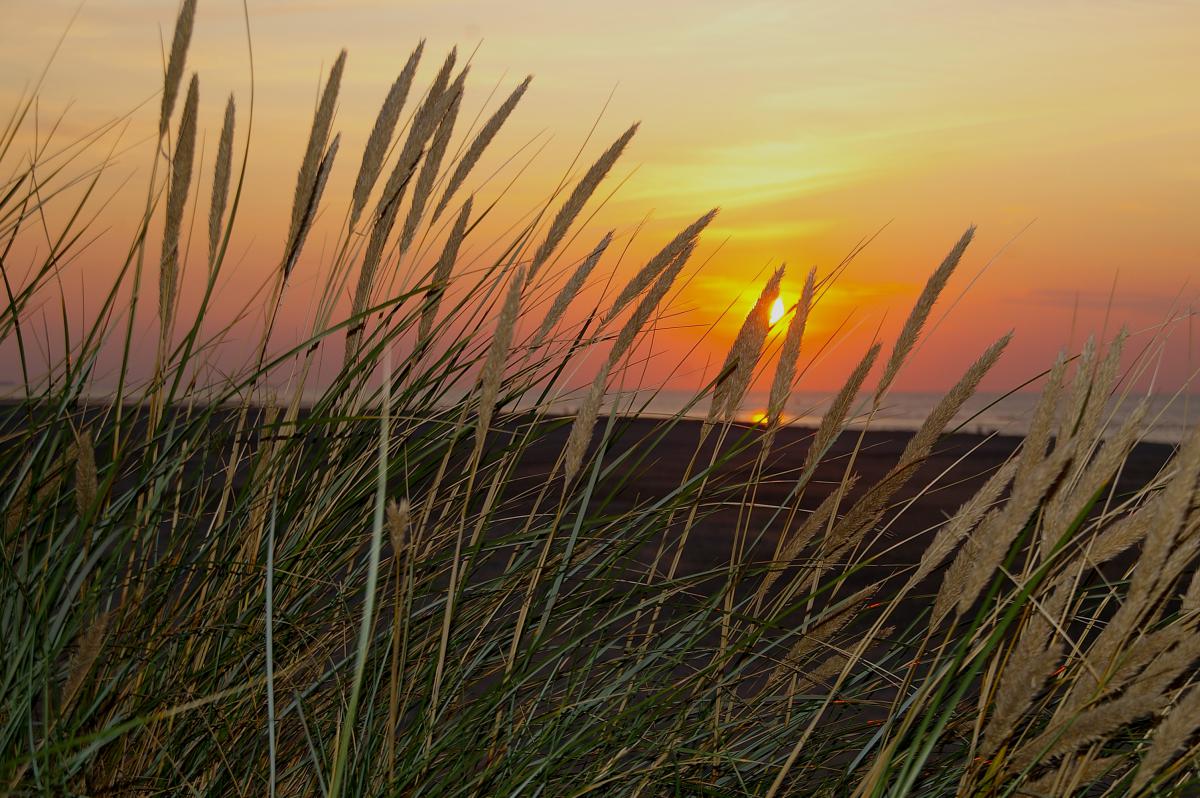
[{"x": 215, "y": 588}]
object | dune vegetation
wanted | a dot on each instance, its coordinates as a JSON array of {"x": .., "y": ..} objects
[{"x": 347, "y": 587}]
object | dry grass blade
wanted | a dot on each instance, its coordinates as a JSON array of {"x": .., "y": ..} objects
[
  {"x": 310, "y": 166},
  {"x": 433, "y": 161},
  {"x": 649, "y": 304},
  {"x": 310, "y": 213},
  {"x": 819, "y": 631},
  {"x": 571, "y": 289},
  {"x": 792, "y": 544},
  {"x": 1143, "y": 699},
  {"x": 664, "y": 258},
  {"x": 578, "y": 198},
  {"x": 1066, "y": 505},
  {"x": 738, "y": 368},
  {"x": 964, "y": 520},
  {"x": 184, "y": 23},
  {"x": 381, "y": 134},
  {"x": 870, "y": 508},
  {"x": 920, "y": 312},
  {"x": 220, "y": 189},
  {"x": 493, "y": 368},
  {"x": 478, "y": 145},
  {"x": 19, "y": 503},
  {"x": 834, "y": 419},
  {"x": 181, "y": 178},
  {"x": 585, "y": 419},
  {"x": 441, "y": 272},
  {"x": 978, "y": 560},
  {"x": 785, "y": 372},
  {"x": 1069, "y": 773},
  {"x": 399, "y": 517},
  {"x": 1029, "y": 666},
  {"x": 1172, "y": 734}
]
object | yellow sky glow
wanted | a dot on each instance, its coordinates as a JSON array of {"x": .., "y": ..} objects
[{"x": 1066, "y": 131}]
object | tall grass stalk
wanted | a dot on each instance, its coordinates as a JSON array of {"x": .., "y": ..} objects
[{"x": 490, "y": 570}]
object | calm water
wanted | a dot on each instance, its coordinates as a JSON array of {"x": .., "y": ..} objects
[{"x": 1168, "y": 418}]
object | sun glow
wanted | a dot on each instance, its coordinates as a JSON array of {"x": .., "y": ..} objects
[{"x": 778, "y": 309}]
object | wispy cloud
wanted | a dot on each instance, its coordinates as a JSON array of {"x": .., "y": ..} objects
[
  {"x": 1123, "y": 299},
  {"x": 745, "y": 174}
]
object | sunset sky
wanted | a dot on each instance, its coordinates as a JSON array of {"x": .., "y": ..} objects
[{"x": 1070, "y": 129}]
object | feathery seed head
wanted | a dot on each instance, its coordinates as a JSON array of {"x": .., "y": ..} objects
[
  {"x": 1172, "y": 734},
  {"x": 86, "y": 480},
  {"x": 221, "y": 177},
  {"x": 441, "y": 272},
  {"x": 571, "y": 289},
  {"x": 433, "y": 159},
  {"x": 181, "y": 177},
  {"x": 306, "y": 181},
  {"x": 738, "y": 368},
  {"x": 478, "y": 145},
  {"x": 869, "y": 509},
  {"x": 649, "y": 304},
  {"x": 578, "y": 198},
  {"x": 920, "y": 312},
  {"x": 656, "y": 264},
  {"x": 381, "y": 134},
  {"x": 585, "y": 420},
  {"x": 424, "y": 124},
  {"x": 91, "y": 642},
  {"x": 397, "y": 522},
  {"x": 175, "y": 62},
  {"x": 785, "y": 372},
  {"x": 493, "y": 368},
  {"x": 311, "y": 211},
  {"x": 834, "y": 419}
]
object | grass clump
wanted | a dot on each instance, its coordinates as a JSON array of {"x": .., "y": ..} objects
[{"x": 416, "y": 577}]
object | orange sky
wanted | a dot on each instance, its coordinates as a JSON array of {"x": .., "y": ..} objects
[{"x": 811, "y": 125}]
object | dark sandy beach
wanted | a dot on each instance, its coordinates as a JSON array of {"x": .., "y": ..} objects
[
  {"x": 940, "y": 486},
  {"x": 652, "y": 459}
]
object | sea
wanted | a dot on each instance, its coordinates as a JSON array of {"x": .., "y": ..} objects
[{"x": 1167, "y": 418}]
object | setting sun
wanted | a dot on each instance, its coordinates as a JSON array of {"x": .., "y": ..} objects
[
  {"x": 502, "y": 363},
  {"x": 777, "y": 311}
]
